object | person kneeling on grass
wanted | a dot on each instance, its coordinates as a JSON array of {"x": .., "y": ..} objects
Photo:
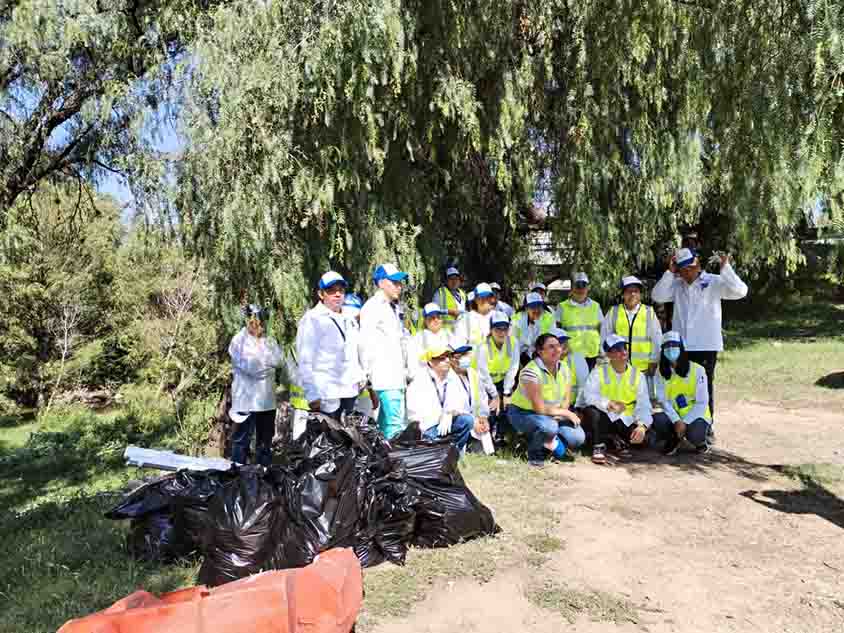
[
  {"x": 540, "y": 405},
  {"x": 682, "y": 390},
  {"x": 437, "y": 401},
  {"x": 618, "y": 407}
]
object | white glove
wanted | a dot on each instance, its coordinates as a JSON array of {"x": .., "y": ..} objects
[{"x": 444, "y": 427}]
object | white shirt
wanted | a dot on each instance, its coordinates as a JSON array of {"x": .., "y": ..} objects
[
  {"x": 382, "y": 344},
  {"x": 459, "y": 298},
  {"x": 428, "y": 397},
  {"x": 592, "y": 398},
  {"x": 654, "y": 329},
  {"x": 558, "y": 312},
  {"x": 525, "y": 333},
  {"x": 253, "y": 364},
  {"x": 697, "y": 306},
  {"x": 327, "y": 351},
  {"x": 469, "y": 324},
  {"x": 700, "y": 406},
  {"x": 510, "y": 376},
  {"x": 581, "y": 370},
  {"x": 416, "y": 346}
]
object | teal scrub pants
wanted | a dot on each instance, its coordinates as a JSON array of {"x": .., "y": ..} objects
[{"x": 391, "y": 413}]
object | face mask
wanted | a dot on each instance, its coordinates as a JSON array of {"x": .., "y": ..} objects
[
  {"x": 465, "y": 362},
  {"x": 671, "y": 353}
]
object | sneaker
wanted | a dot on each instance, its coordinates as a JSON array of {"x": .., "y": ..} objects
[
  {"x": 686, "y": 446},
  {"x": 620, "y": 448},
  {"x": 710, "y": 435},
  {"x": 599, "y": 455},
  {"x": 703, "y": 449},
  {"x": 536, "y": 463},
  {"x": 671, "y": 447}
]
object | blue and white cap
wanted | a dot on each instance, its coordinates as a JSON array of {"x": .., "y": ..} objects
[
  {"x": 684, "y": 257},
  {"x": 499, "y": 319},
  {"x": 538, "y": 286},
  {"x": 631, "y": 280},
  {"x": 388, "y": 271},
  {"x": 495, "y": 286},
  {"x": 560, "y": 333},
  {"x": 483, "y": 290},
  {"x": 470, "y": 297},
  {"x": 452, "y": 272},
  {"x": 432, "y": 309},
  {"x": 614, "y": 341},
  {"x": 533, "y": 300},
  {"x": 460, "y": 349},
  {"x": 352, "y": 305},
  {"x": 332, "y": 278},
  {"x": 580, "y": 278},
  {"x": 672, "y": 338}
]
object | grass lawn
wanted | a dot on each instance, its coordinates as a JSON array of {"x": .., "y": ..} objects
[{"x": 61, "y": 559}]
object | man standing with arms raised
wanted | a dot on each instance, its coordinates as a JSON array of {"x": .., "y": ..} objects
[
  {"x": 383, "y": 348},
  {"x": 697, "y": 297}
]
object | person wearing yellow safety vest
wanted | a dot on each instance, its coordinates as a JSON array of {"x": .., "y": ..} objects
[
  {"x": 295, "y": 393},
  {"x": 530, "y": 323},
  {"x": 637, "y": 324},
  {"x": 472, "y": 327},
  {"x": 451, "y": 297},
  {"x": 681, "y": 389},
  {"x": 498, "y": 359},
  {"x": 367, "y": 402},
  {"x": 540, "y": 405},
  {"x": 433, "y": 334},
  {"x": 476, "y": 396},
  {"x": 578, "y": 369},
  {"x": 438, "y": 402},
  {"x": 581, "y": 317},
  {"x": 618, "y": 408}
]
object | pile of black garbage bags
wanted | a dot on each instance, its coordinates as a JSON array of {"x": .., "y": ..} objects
[{"x": 338, "y": 485}]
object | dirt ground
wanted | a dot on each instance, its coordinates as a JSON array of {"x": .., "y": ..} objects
[{"x": 721, "y": 542}]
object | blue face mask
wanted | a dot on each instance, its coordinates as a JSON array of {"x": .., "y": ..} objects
[
  {"x": 671, "y": 353},
  {"x": 465, "y": 362}
]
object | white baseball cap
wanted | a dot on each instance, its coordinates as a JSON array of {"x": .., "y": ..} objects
[
  {"x": 452, "y": 272},
  {"x": 533, "y": 299},
  {"x": 331, "y": 278},
  {"x": 684, "y": 257},
  {"x": 498, "y": 318},
  {"x": 432, "y": 309},
  {"x": 613, "y": 341},
  {"x": 483, "y": 290},
  {"x": 631, "y": 280}
]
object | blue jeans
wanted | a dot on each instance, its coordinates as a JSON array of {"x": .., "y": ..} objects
[
  {"x": 263, "y": 423},
  {"x": 695, "y": 431},
  {"x": 461, "y": 427},
  {"x": 541, "y": 428},
  {"x": 391, "y": 413}
]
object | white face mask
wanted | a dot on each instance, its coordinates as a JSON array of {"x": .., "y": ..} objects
[{"x": 465, "y": 362}]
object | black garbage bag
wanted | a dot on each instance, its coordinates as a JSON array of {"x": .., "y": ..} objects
[
  {"x": 168, "y": 513},
  {"x": 156, "y": 538},
  {"x": 242, "y": 528}
]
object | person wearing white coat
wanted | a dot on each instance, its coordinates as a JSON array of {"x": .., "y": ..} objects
[
  {"x": 327, "y": 348},
  {"x": 254, "y": 359}
]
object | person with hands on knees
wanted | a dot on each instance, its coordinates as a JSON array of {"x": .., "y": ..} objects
[
  {"x": 618, "y": 407},
  {"x": 476, "y": 403},
  {"x": 327, "y": 348},
  {"x": 254, "y": 359},
  {"x": 540, "y": 406},
  {"x": 438, "y": 402},
  {"x": 682, "y": 391}
]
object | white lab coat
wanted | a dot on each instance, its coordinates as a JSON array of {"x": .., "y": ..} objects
[
  {"x": 382, "y": 344},
  {"x": 592, "y": 398},
  {"x": 697, "y": 307},
  {"x": 327, "y": 350},
  {"x": 253, "y": 365}
]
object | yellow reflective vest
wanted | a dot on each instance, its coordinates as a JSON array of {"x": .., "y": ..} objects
[
  {"x": 583, "y": 325},
  {"x": 638, "y": 344},
  {"x": 686, "y": 387},
  {"x": 445, "y": 299},
  {"x": 624, "y": 388},
  {"x": 499, "y": 360},
  {"x": 553, "y": 387}
]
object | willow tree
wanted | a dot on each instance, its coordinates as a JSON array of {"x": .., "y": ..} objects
[{"x": 342, "y": 133}]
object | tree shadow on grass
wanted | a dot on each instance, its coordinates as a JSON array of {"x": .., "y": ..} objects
[
  {"x": 644, "y": 461},
  {"x": 835, "y": 380},
  {"x": 814, "y": 498}
]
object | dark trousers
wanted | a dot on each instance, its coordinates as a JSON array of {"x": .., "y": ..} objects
[
  {"x": 708, "y": 361},
  {"x": 695, "y": 430},
  {"x": 263, "y": 423},
  {"x": 347, "y": 406},
  {"x": 599, "y": 428}
]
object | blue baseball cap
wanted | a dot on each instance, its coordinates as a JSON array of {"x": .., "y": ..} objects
[
  {"x": 461, "y": 349},
  {"x": 388, "y": 271},
  {"x": 560, "y": 333},
  {"x": 614, "y": 341},
  {"x": 684, "y": 257},
  {"x": 483, "y": 290},
  {"x": 353, "y": 301},
  {"x": 499, "y": 319},
  {"x": 332, "y": 278},
  {"x": 630, "y": 280},
  {"x": 672, "y": 338},
  {"x": 533, "y": 300},
  {"x": 452, "y": 271},
  {"x": 432, "y": 309}
]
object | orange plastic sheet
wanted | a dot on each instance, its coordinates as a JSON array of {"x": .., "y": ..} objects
[{"x": 324, "y": 597}]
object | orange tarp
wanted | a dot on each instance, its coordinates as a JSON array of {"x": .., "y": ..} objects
[{"x": 323, "y": 597}]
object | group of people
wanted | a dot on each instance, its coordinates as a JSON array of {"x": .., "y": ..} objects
[{"x": 471, "y": 368}]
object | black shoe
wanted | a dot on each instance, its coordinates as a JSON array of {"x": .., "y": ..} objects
[
  {"x": 702, "y": 449},
  {"x": 671, "y": 446}
]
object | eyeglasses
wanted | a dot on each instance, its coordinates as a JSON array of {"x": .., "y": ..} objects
[{"x": 440, "y": 359}]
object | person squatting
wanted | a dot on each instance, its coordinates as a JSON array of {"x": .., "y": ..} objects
[{"x": 470, "y": 368}]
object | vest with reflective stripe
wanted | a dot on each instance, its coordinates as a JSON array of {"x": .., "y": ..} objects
[
  {"x": 446, "y": 298},
  {"x": 638, "y": 344},
  {"x": 498, "y": 360},
  {"x": 583, "y": 325},
  {"x": 687, "y": 387},
  {"x": 547, "y": 322},
  {"x": 296, "y": 393},
  {"x": 624, "y": 388},
  {"x": 474, "y": 389},
  {"x": 572, "y": 377},
  {"x": 471, "y": 329},
  {"x": 553, "y": 388}
]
